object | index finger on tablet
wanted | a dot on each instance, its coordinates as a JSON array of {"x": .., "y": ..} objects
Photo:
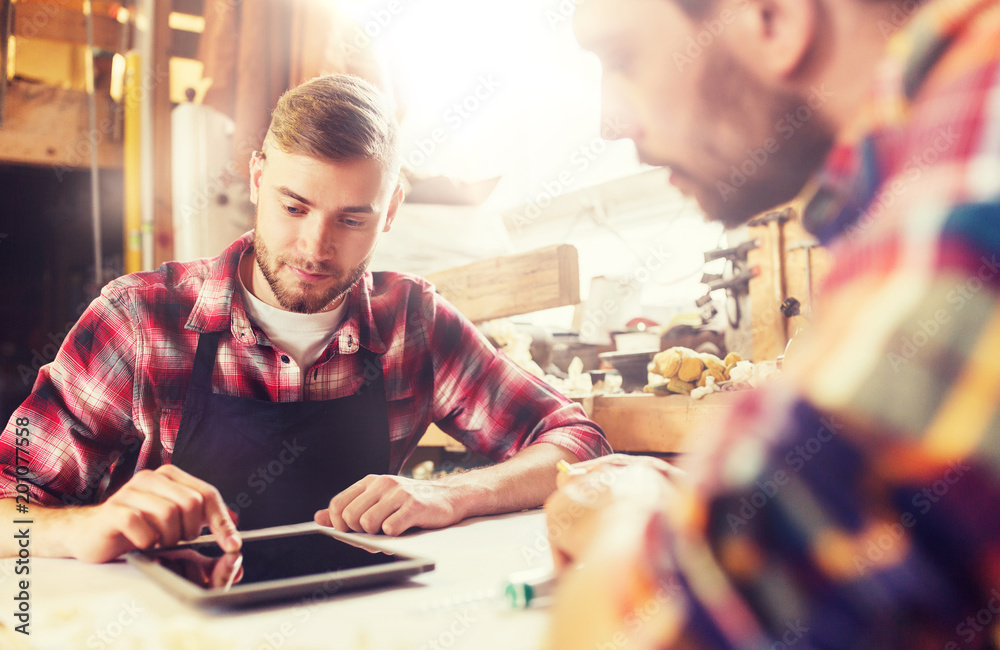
[{"x": 215, "y": 512}]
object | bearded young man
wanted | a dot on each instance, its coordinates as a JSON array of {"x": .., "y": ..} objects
[
  {"x": 854, "y": 504},
  {"x": 281, "y": 379}
]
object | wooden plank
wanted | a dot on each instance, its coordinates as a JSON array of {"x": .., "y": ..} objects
[
  {"x": 163, "y": 221},
  {"x": 517, "y": 284},
  {"x": 642, "y": 422},
  {"x": 52, "y": 22},
  {"x": 45, "y": 125}
]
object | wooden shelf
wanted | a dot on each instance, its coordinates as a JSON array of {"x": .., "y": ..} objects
[{"x": 44, "y": 125}]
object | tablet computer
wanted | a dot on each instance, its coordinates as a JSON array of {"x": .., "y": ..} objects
[{"x": 274, "y": 564}]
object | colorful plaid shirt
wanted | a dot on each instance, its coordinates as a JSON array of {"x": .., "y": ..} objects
[
  {"x": 857, "y": 504},
  {"x": 116, "y": 389}
]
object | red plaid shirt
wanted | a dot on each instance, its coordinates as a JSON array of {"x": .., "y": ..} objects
[{"x": 116, "y": 388}]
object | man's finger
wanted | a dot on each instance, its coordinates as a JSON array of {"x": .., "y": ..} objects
[
  {"x": 352, "y": 512},
  {"x": 398, "y": 522},
  {"x": 348, "y": 494},
  {"x": 162, "y": 514},
  {"x": 190, "y": 502},
  {"x": 131, "y": 525},
  {"x": 214, "y": 510},
  {"x": 373, "y": 519}
]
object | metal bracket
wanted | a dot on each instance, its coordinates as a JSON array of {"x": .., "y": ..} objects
[
  {"x": 736, "y": 283},
  {"x": 735, "y": 253}
]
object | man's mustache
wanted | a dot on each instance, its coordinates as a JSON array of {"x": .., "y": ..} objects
[{"x": 310, "y": 267}]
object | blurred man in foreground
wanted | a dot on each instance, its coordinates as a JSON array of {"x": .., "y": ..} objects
[{"x": 852, "y": 505}]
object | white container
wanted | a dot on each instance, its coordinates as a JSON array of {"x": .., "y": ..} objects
[
  {"x": 211, "y": 201},
  {"x": 636, "y": 341}
]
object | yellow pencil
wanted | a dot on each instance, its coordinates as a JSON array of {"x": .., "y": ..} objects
[{"x": 566, "y": 468}]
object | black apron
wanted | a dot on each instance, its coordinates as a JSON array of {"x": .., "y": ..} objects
[{"x": 278, "y": 463}]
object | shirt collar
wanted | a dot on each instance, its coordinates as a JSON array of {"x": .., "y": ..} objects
[
  {"x": 220, "y": 307},
  {"x": 216, "y": 307},
  {"x": 838, "y": 194},
  {"x": 360, "y": 328}
]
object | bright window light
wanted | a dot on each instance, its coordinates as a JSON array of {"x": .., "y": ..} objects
[{"x": 494, "y": 89}]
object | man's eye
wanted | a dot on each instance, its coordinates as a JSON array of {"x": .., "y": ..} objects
[
  {"x": 353, "y": 223},
  {"x": 291, "y": 209}
]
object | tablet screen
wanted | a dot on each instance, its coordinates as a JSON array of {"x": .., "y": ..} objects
[{"x": 273, "y": 558}]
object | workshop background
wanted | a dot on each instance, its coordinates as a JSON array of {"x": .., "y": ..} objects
[{"x": 125, "y": 130}]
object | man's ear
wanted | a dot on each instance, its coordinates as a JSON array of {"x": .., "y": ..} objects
[
  {"x": 397, "y": 200},
  {"x": 256, "y": 170},
  {"x": 775, "y": 36}
]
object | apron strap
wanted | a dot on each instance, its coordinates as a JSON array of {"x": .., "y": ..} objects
[
  {"x": 200, "y": 386},
  {"x": 204, "y": 360}
]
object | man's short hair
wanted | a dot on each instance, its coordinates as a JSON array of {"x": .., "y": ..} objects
[{"x": 335, "y": 117}]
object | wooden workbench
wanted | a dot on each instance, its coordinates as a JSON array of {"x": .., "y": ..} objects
[{"x": 456, "y": 606}]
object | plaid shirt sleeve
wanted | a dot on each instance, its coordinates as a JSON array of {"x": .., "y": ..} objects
[
  {"x": 79, "y": 413},
  {"x": 490, "y": 404},
  {"x": 855, "y": 505}
]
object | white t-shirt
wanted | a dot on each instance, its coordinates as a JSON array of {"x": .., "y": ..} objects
[{"x": 303, "y": 337}]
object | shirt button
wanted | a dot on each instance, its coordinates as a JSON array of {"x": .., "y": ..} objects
[{"x": 284, "y": 358}]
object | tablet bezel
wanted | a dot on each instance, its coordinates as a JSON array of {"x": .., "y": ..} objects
[{"x": 406, "y": 566}]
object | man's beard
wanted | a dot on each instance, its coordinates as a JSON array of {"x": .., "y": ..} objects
[
  {"x": 303, "y": 301},
  {"x": 736, "y": 101}
]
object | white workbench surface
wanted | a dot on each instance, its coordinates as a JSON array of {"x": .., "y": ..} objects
[{"x": 113, "y": 606}]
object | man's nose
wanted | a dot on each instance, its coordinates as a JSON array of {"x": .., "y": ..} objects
[
  {"x": 317, "y": 241},
  {"x": 617, "y": 117}
]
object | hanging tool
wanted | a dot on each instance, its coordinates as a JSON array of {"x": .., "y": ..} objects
[{"x": 806, "y": 245}]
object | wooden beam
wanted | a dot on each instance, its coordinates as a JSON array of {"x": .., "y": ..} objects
[
  {"x": 163, "y": 221},
  {"x": 513, "y": 285},
  {"x": 48, "y": 126},
  {"x": 52, "y": 22},
  {"x": 6, "y": 9}
]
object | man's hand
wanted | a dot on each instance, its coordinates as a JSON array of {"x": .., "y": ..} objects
[
  {"x": 393, "y": 504},
  {"x": 155, "y": 508},
  {"x": 604, "y": 523},
  {"x": 614, "y": 491}
]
